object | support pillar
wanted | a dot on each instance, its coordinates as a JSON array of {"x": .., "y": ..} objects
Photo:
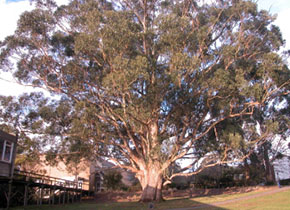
[
  {"x": 41, "y": 194},
  {"x": 59, "y": 197},
  {"x": 9, "y": 193},
  {"x": 25, "y": 195},
  {"x": 53, "y": 195},
  {"x": 63, "y": 200}
]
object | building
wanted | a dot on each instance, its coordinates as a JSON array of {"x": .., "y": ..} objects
[
  {"x": 91, "y": 173},
  {"x": 8, "y": 145}
]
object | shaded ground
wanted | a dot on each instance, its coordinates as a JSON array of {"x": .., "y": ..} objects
[
  {"x": 168, "y": 194},
  {"x": 117, "y": 196}
]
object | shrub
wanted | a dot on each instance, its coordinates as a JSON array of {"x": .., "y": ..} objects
[
  {"x": 113, "y": 180},
  {"x": 285, "y": 182},
  {"x": 135, "y": 187},
  {"x": 205, "y": 181}
]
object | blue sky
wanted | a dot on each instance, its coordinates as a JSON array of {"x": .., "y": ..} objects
[
  {"x": 8, "y": 1},
  {"x": 274, "y": 6}
]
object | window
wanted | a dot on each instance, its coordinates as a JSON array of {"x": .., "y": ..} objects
[
  {"x": 6, "y": 150},
  {"x": 1, "y": 148}
]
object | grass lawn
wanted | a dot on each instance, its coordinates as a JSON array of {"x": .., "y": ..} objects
[{"x": 276, "y": 201}]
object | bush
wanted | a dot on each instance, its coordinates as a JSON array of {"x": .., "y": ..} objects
[
  {"x": 179, "y": 185},
  {"x": 205, "y": 181},
  {"x": 285, "y": 182},
  {"x": 172, "y": 185},
  {"x": 135, "y": 187},
  {"x": 270, "y": 183},
  {"x": 226, "y": 181},
  {"x": 113, "y": 180}
]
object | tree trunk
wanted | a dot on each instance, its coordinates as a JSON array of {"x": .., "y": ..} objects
[
  {"x": 269, "y": 169},
  {"x": 151, "y": 175},
  {"x": 151, "y": 183},
  {"x": 247, "y": 172}
]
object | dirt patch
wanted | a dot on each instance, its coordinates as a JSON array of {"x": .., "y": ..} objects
[
  {"x": 209, "y": 192},
  {"x": 134, "y": 196},
  {"x": 117, "y": 196}
]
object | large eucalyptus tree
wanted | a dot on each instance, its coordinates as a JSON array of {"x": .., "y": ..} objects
[{"x": 146, "y": 83}]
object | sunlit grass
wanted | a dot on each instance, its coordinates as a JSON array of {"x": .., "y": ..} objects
[{"x": 276, "y": 201}]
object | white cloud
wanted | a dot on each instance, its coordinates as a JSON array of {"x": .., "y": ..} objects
[
  {"x": 281, "y": 8},
  {"x": 8, "y": 87},
  {"x": 9, "y": 14},
  {"x": 283, "y": 22},
  {"x": 274, "y": 6}
]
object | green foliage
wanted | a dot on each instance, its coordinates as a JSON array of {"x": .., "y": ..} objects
[
  {"x": 132, "y": 77},
  {"x": 135, "y": 187},
  {"x": 285, "y": 182},
  {"x": 205, "y": 181},
  {"x": 113, "y": 180},
  {"x": 179, "y": 186}
]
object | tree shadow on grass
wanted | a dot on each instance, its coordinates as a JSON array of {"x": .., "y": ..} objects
[
  {"x": 176, "y": 204},
  {"x": 185, "y": 204},
  {"x": 128, "y": 201},
  {"x": 173, "y": 204}
]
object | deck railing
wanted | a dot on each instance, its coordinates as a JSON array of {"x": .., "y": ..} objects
[
  {"x": 48, "y": 180},
  {"x": 38, "y": 189}
]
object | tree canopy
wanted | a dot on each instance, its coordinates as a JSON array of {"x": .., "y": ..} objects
[{"x": 147, "y": 83}]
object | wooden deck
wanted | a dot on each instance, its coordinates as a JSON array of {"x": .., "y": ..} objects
[{"x": 36, "y": 189}]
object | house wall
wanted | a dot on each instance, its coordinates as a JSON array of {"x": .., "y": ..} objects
[
  {"x": 282, "y": 168},
  {"x": 92, "y": 172},
  {"x": 6, "y": 168},
  {"x": 62, "y": 171}
]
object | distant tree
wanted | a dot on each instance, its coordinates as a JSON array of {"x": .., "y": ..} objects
[
  {"x": 147, "y": 83},
  {"x": 273, "y": 120},
  {"x": 113, "y": 180},
  {"x": 13, "y": 120}
]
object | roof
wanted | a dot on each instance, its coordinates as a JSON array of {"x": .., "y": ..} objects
[{"x": 7, "y": 136}]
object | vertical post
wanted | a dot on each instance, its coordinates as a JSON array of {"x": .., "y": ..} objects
[
  {"x": 64, "y": 192},
  {"x": 38, "y": 195},
  {"x": 75, "y": 190},
  {"x": 41, "y": 194},
  {"x": 49, "y": 195},
  {"x": 81, "y": 192},
  {"x": 53, "y": 193},
  {"x": 74, "y": 196},
  {"x": 68, "y": 196},
  {"x": 9, "y": 193},
  {"x": 59, "y": 197},
  {"x": 25, "y": 194}
]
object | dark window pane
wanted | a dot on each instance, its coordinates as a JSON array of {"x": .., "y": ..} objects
[
  {"x": 1, "y": 148},
  {"x": 8, "y": 151}
]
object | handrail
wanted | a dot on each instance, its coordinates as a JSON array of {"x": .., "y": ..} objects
[{"x": 52, "y": 180}]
